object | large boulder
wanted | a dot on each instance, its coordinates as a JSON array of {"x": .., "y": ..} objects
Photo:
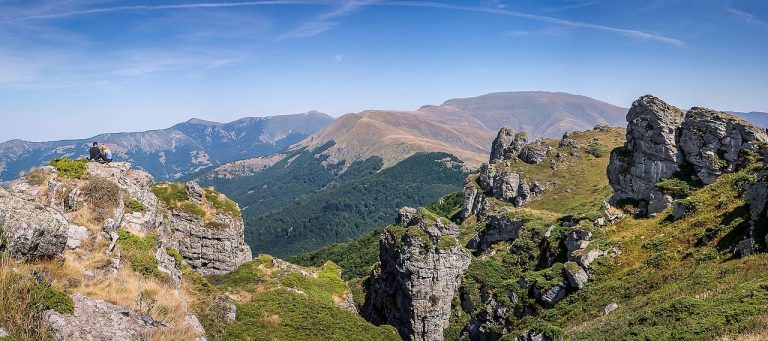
[
  {"x": 715, "y": 142},
  {"x": 650, "y": 152},
  {"x": 421, "y": 269},
  {"x": 535, "y": 153},
  {"x": 500, "y": 227},
  {"x": 99, "y": 320},
  {"x": 31, "y": 230}
]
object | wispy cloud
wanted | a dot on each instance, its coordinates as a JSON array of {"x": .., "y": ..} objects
[
  {"x": 570, "y": 7},
  {"x": 545, "y": 31},
  {"x": 323, "y": 22},
  {"x": 637, "y": 34},
  {"x": 748, "y": 18}
]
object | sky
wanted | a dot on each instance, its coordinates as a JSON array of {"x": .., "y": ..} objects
[{"x": 77, "y": 68}]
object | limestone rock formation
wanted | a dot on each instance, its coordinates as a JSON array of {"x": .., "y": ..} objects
[
  {"x": 663, "y": 143},
  {"x": 715, "y": 142},
  {"x": 421, "y": 268},
  {"x": 508, "y": 144},
  {"x": 650, "y": 152},
  {"x": 99, "y": 320},
  {"x": 500, "y": 227},
  {"x": 535, "y": 153},
  {"x": 31, "y": 230}
]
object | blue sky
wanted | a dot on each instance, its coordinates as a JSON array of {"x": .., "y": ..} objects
[{"x": 76, "y": 68}]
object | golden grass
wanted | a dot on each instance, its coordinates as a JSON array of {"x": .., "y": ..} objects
[{"x": 20, "y": 314}]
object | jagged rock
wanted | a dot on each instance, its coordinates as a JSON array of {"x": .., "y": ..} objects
[
  {"x": 194, "y": 323},
  {"x": 745, "y": 247},
  {"x": 600, "y": 222},
  {"x": 196, "y": 193},
  {"x": 500, "y": 227},
  {"x": 169, "y": 266},
  {"x": 535, "y": 153},
  {"x": 567, "y": 142},
  {"x": 585, "y": 257},
  {"x": 575, "y": 275},
  {"x": 536, "y": 188},
  {"x": 4, "y": 333},
  {"x": 679, "y": 210},
  {"x": 76, "y": 235},
  {"x": 532, "y": 336},
  {"x": 419, "y": 273},
  {"x": 468, "y": 205},
  {"x": 575, "y": 240},
  {"x": 31, "y": 230},
  {"x": 507, "y": 144},
  {"x": 405, "y": 215},
  {"x": 486, "y": 177},
  {"x": 553, "y": 164},
  {"x": 611, "y": 214},
  {"x": 610, "y": 308},
  {"x": 553, "y": 295},
  {"x": 650, "y": 152},
  {"x": 716, "y": 142},
  {"x": 505, "y": 186},
  {"x": 99, "y": 320},
  {"x": 658, "y": 201}
]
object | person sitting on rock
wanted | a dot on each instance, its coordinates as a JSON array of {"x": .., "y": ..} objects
[
  {"x": 106, "y": 154},
  {"x": 94, "y": 152}
]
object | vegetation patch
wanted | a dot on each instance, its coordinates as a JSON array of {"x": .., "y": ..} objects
[
  {"x": 596, "y": 149},
  {"x": 102, "y": 195},
  {"x": 134, "y": 206},
  {"x": 68, "y": 168},
  {"x": 675, "y": 187},
  {"x": 140, "y": 252},
  {"x": 35, "y": 177},
  {"x": 222, "y": 203}
]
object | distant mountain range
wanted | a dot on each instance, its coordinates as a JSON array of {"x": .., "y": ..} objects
[
  {"x": 176, "y": 151},
  {"x": 754, "y": 117}
]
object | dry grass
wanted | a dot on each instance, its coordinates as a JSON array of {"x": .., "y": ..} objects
[
  {"x": 273, "y": 320},
  {"x": 20, "y": 311},
  {"x": 103, "y": 196},
  {"x": 755, "y": 335}
]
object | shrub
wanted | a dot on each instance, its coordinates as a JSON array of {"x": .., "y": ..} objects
[
  {"x": 140, "y": 252},
  {"x": 171, "y": 194},
  {"x": 675, "y": 187},
  {"x": 35, "y": 177},
  {"x": 596, "y": 149},
  {"x": 134, "y": 206},
  {"x": 447, "y": 242},
  {"x": 103, "y": 196},
  {"x": 215, "y": 225},
  {"x": 53, "y": 299},
  {"x": 742, "y": 178},
  {"x": 68, "y": 168}
]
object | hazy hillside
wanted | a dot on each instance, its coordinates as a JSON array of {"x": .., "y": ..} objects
[
  {"x": 176, "y": 151},
  {"x": 754, "y": 117},
  {"x": 539, "y": 113}
]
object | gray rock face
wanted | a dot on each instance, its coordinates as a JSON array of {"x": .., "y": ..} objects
[
  {"x": 552, "y": 295},
  {"x": 507, "y": 144},
  {"x": 506, "y": 185},
  {"x": 650, "y": 152},
  {"x": 168, "y": 265},
  {"x": 757, "y": 195},
  {"x": 76, "y": 235},
  {"x": 535, "y": 153},
  {"x": 31, "y": 230},
  {"x": 414, "y": 287},
  {"x": 575, "y": 275},
  {"x": 716, "y": 142},
  {"x": 226, "y": 310},
  {"x": 4, "y": 333},
  {"x": 662, "y": 141},
  {"x": 610, "y": 308},
  {"x": 99, "y": 320},
  {"x": 576, "y": 239},
  {"x": 208, "y": 250},
  {"x": 500, "y": 227}
]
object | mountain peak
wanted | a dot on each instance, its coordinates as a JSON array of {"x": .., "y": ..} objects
[{"x": 198, "y": 121}]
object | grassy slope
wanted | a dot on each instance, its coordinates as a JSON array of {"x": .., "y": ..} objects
[
  {"x": 270, "y": 308},
  {"x": 666, "y": 285}
]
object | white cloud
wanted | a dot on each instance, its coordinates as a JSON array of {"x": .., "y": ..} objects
[{"x": 748, "y": 17}]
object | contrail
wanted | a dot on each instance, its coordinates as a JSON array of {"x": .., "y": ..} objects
[{"x": 423, "y": 4}]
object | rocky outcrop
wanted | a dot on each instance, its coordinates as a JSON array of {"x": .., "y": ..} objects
[
  {"x": 421, "y": 267},
  {"x": 500, "y": 227},
  {"x": 209, "y": 250},
  {"x": 31, "y": 230},
  {"x": 663, "y": 143},
  {"x": 715, "y": 142},
  {"x": 508, "y": 144},
  {"x": 99, "y": 320},
  {"x": 650, "y": 152},
  {"x": 535, "y": 153}
]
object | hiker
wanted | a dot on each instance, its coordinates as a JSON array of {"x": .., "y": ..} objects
[
  {"x": 95, "y": 152},
  {"x": 106, "y": 154}
]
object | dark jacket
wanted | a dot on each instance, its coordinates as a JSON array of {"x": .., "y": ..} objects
[{"x": 95, "y": 153}]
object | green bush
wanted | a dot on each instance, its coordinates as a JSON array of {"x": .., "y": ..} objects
[
  {"x": 140, "y": 252},
  {"x": 675, "y": 187},
  {"x": 53, "y": 299},
  {"x": 596, "y": 149},
  {"x": 134, "y": 206},
  {"x": 171, "y": 194},
  {"x": 68, "y": 168}
]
